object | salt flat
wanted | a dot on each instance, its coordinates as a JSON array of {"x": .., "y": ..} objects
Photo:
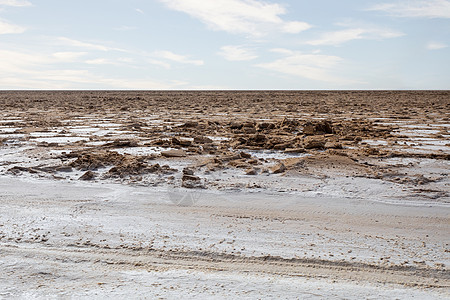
[{"x": 224, "y": 195}]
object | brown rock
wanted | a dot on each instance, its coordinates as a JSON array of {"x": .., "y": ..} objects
[
  {"x": 249, "y": 130},
  {"x": 322, "y": 127},
  {"x": 187, "y": 171},
  {"x": 190, "y": 177},
  {"x": 64, "y": 169},
  {"x": 282, "y": 146},
  {"x": 174, "y": 153},
  {"x": 89, "y": 175},
  {"x": 256, "y": 140},
  {"x": 309, "y": 129},
  {"x": 190, "y": 124},
  {"x": 294, "y": 150},
  {"x": 245, "y": 155},
  {"x": 181, "y": 142},
  {"x": 202, "y": 140},
  {"x": 314, "y": 143},
  {"x": 251, "y": 171},
  {"x": 333, "y": 145},
  {"x": 265, "y": 125},
  {"x": 280, "y": 168},
  {"x": 122, "y": 144}
]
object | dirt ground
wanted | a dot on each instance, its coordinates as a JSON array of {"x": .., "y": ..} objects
[{"x": 338, "y": 193}]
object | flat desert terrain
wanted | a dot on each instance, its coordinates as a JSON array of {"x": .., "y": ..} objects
[{"x": 225, "y": 194}]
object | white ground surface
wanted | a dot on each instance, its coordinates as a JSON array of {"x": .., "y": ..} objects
[
  {"x": 92, "y": 240},
  {"x": 270, "y": 236}
]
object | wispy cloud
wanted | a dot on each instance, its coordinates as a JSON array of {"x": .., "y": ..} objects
[
  {"x": 68, "y": 56},
  {"x": 342, "y": 36},
  {"x": 238, "y": 16},
  {"x": 177, "y": 58},
  {"x": 158, "y": 62},
  {"x": 161, "y": 58},
  {"x": 90, "y": 46},
  {"x": 311, "y": 66},
  {"x": 436, "y": 46},
  {"x": 117, "y": 62},
  {"x": 8, "y": 28},
  {"x": 416, "y": 9},
  {"x": 18, "y": 62},
  {"x": 15, "y": 3},
  {"x": 236, "y": 53},
  {"x": 22, "y": 70},
  {"x": 139, "y": 11}
]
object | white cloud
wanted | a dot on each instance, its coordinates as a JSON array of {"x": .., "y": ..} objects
[
  {"x": 177, "y": 58},
  {"x": 238, "y": 16},
  {"x": 346, "y": 35},
  {"x": 311, "y": 66},
  {"x": 68, "y": 56},
  {"x": 22, "y": 70},
  {"x": 16, "y": 62},
  {"x": 436, "y": 46},
  {"x": 236, "y": 53},
  {"x": 295, "y": 27},
  {"x": 76, "y": 79},
  {"x": 99, "y": 61},
  {"x": 104, "y": 61},
  {"x": 15, "y": 3},
  {"x": 158, "y": 58},
  {"x": 139, "y": 10},
  {"x": 282, "y": 51},
  {"x": 157, "y": 62},
  {"x": 7, "y": 28},
  {"x": 76, "y": 43},
  {"x": 416, "y": 9}
]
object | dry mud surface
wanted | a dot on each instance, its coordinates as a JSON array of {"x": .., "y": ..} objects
[{"x": 225, "y": 194}]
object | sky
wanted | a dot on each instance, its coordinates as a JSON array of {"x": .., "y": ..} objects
[{"x": 224, "y": 44}]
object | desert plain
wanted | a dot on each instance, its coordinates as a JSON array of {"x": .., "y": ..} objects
[{"x": 225, "y": 194}]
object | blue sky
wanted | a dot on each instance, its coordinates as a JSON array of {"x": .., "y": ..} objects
[{"x": 224, "y": 44}]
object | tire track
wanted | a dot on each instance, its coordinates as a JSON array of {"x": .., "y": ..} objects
[{"x": 212, "y": 261}]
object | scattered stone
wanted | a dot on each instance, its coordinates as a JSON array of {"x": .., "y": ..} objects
[
  {"x": 314, "y": 143},
  {"x": 64, "y": 169},
  {"x": 265, "y": 125},
  {"x": 190, "y": 124},
  {"x": 256, "y": 140},
  {"x": 245, "y": 155},
  {"x": 187, "y": 171},
  {"x": 122, "y": 144},
  {"x": 202, "y": 140},
  {"x": 92, "y": 161},
  {"x": 17, "y": 169},
  {"x": 282, "y": 146},
  {"x": 236, "y": 125},
  {"x": 181, "y": 142},
  {"x": 294, "y": 150},
  {"x": 309, "y": 129},
  {"x": 190, "y": 177},
  {"x": 333, "y": 145},
  {"x": 280, "y": 168},
  {"x": 89, "y": 175},
  {"x": 251, "y": 171},
  {"x": 322, "y": 127},
  {"x": 174, "y": 153},
  {"x": 239, "y": 163}
]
